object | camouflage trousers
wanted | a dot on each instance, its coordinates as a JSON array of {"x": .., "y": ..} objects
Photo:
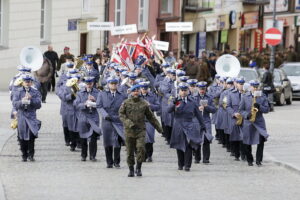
[{"x": 135, "y": 145}]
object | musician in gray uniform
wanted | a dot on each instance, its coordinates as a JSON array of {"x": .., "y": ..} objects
[
  {"x": 88, "y": 118},
  {"x": 108, "y": 103},
  {"x": 184, "y": 135},
  {"x": 252, "y": 107},
  {"x": 26, "y": 100},
  {"x": 152, "y": 99},
  {"x": 206, "y": 106},
  {"x": 124, "y": 88},
  {"x": 235, "y": 122},
  {"x": 92, "y": 72}
]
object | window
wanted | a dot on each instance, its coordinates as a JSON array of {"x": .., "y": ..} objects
[
  {"x": 120, "y": 9},
  {"x": 42, "y": 34},
  {"x": 3, "y": 23},
  {"x": 45, "y": 20},
  {"x": 143, "y": 14},
  {"x": 85, "y": 5},
  {"x": 166, "y": 6},
  {"x": 1, "y": 19}
]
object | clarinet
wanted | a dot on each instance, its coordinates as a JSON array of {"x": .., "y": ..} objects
[
  {"x": 89, "y": 94},
  {"x": 26, "y": 95}
]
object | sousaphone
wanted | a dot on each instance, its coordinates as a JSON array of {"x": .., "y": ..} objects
[
  {"x": 31, "y": 57},
  {"x": 228, "y": 66}
]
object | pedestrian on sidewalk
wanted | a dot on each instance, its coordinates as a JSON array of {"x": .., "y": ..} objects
[
  {"x": 133, "y": 113},
  {"x": 88, "y": 118},
  {"x": 26, "y": 100}
]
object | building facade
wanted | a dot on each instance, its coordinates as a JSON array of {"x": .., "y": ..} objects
[
  {"x": 150, "y": 16},
  {"x": 42, "y": 22}
]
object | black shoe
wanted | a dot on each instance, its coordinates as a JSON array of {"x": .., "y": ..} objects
[
  {"x": 31, "y": 159},
  {"x": 83, "y": 159},
  {"x": 205, "y": 161},
  {"x": 67, "y": 144},
  {"x": 250, "y": 164},
  {"x": 219, "y": 142},
  {"x": 24, "y": 159},
  {"x": 187, "y": 169},
  {"x": 232, "y": 154},
  {"x": 93, "y": 159},
  {"x": 228, "y": 150},
  {"x": 258, "y": 163},
  {"x": 243, "y": 158},
  {"x": 78, "y": 146},
  {"x": 131, "y": 171},
  {"x": 180, "y": 168},
  {"x": 237, "y": 159},
  {"x": 223, "y": 145},
  {"x": 109, "y": 166},
  {"x": 117, "y": 165},
  {"x": 44, "y": 101},
  {"x": 197, "y": 161},
  {"x": 72, "y": 149},
  {"x": 149, "y": 159}
]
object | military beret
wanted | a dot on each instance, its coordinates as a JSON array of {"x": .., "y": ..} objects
[
  {"x": 89, "y": 55},
  {"x": 89, "y": 62},
  {"x": 140, "y": 80},
  {"x": 73, "y": 71}
]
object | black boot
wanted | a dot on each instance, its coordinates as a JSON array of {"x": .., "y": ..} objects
[
  {"x": 131, "y": 171},
  {"x": 138, "y": 169}
]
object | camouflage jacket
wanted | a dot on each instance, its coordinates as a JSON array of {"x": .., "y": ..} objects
[{"x": 132, "y": 113}]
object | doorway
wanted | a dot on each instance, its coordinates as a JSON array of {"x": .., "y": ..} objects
[{"x": 83, "y": 43}]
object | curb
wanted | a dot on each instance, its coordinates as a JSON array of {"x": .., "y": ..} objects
[
  {"x": 5, "y": 136},
  {"x": 286, "y": 165}
]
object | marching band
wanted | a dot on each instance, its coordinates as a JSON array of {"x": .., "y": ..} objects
[{"x": 119, "y": 105}]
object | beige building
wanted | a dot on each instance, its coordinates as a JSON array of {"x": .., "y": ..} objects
[{"x": 42, "y": 22}]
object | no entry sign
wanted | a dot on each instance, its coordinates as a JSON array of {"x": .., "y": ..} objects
[{"x": 273, "y": 36}]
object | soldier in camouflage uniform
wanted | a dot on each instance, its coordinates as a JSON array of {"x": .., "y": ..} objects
[{"x": 133, "y": 113}]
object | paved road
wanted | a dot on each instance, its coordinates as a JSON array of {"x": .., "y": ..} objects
[{"x": 59, "y": 173}]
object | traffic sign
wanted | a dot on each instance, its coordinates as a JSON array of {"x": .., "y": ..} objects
[{"x": 273, "y": 36}]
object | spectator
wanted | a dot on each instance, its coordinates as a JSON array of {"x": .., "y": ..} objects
[{"x": 53, "y": 57}]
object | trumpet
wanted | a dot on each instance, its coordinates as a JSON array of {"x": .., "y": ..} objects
[{"x": 73, "y": 84}]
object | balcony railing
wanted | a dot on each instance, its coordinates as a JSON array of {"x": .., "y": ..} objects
[
  {"x": 199, "y": 5},
  {"x": 256, "y": 2}
]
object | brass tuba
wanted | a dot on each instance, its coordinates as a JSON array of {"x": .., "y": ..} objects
[{"x": 253, "y": 111}]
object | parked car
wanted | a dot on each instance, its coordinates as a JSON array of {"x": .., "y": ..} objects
[
  {"x": 293, "y": 72},
  {"x": 283, "y": 86},
  {"x": 249, "y": 74}
]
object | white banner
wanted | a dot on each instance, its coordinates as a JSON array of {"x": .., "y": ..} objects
[
  {"x": 100, "y": 26},
  {"x": 179, "y": 26},
  {"x": 161, "y": 45},
  {"x": 122, "y": 30},
  {"x": 212, "y": 24}
]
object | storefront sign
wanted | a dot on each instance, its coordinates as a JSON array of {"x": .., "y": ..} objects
[
  {"x": 161, "y": 45},
  {"x": 122, "y": 30},
  {"x": 250, "y": 20},
  {"x": 179, "y": 26},
  {"x": 100, "y": 26},
  {"x": 212, "y": 24},
  {"x": 258, "y": 39},
  {"x": 297, "y": 6},
  {"x": 224, "y": 36},
  {"x": 281, "y": 6}
]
